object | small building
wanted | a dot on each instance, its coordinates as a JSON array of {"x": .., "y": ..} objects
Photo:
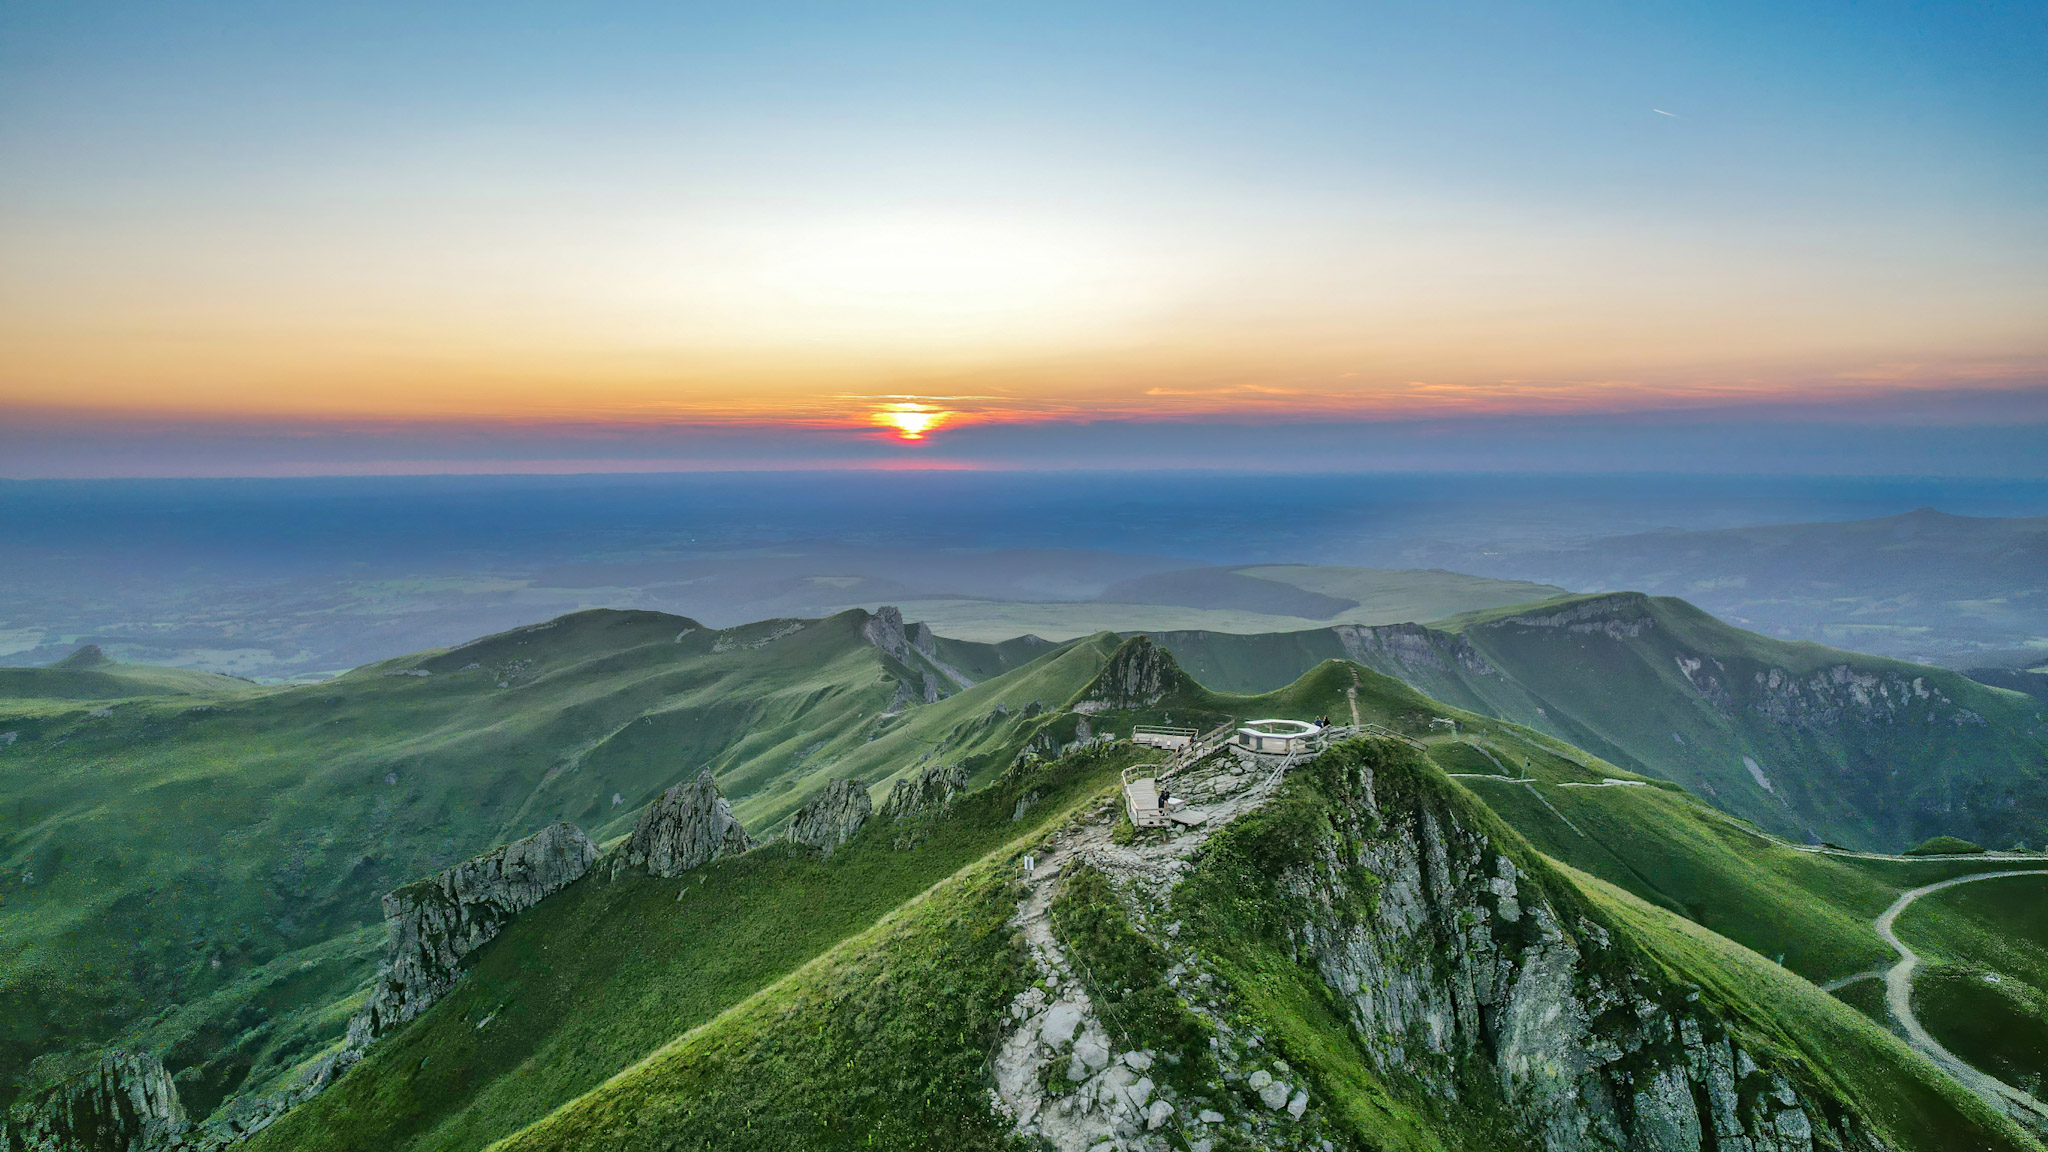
[{"x": 1278, "y": 737}]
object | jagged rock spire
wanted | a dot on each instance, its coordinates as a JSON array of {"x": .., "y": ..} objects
[
  {"x": 929, "y": 791},
  {"x": 832, "y": 815},
  {"x": 690, "y": 826}
]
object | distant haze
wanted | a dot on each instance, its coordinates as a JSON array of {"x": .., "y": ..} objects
[{"x": 282, "y": 578}]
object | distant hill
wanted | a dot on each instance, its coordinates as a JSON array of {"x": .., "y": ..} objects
[
  {"x": 1254, "y": 599},
  {"x": 89, "y": 674},
  {"x": 1812, "y": 742},
  {"x": 1924, "y": 585}
]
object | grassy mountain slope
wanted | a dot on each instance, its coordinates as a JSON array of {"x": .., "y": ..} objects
[
  {"x": 176, "y": 850},
  {"x": 1809, "y": 909},
  {"x": 1810, "y": 742},
  {"x": 546, "y": 1015},
  {"x": 885, "y": 1040}
]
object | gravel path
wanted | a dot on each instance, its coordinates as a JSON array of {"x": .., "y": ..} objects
[{"x": 1898, "y": 998}]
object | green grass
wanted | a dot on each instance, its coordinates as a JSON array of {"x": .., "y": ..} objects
[
  {"x": 791, "y": 1002},
  {"x": 880, "y": 1044},
  {"x": 567, "y": 1012},
  {"x": 1995, "y": 1023},
  {"x": 198, "y": 880}
]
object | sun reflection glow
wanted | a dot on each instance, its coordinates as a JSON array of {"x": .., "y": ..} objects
[{"x": 909, "y": 419}]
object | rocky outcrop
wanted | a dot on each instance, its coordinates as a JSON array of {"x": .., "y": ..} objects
[
  {"x": 1824, "y": 699},
  {"x": 884, "y": 630},
  {"x": 1137, "y": 675},
  {"x": 690, "y": 826},
  {"x": 918, "y": 650},
  {"x": 931, "y": 790},
  {"x": 125, "y": 1103},
  {"x": 432, "y": 924},
  {"x": 832, "y": 815}
]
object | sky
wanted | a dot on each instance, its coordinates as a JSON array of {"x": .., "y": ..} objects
[{"x": 296, "y": 238}]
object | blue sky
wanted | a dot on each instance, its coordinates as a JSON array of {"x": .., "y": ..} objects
[{"x": 235, "y": 217}]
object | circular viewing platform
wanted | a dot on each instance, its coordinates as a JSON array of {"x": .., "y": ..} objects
[{"x": 1277, "y": 737}]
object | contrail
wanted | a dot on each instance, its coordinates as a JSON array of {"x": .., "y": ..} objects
[{"x": 1661, "y": 112}]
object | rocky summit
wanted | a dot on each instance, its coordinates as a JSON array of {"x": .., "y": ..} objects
[
  {"x": 690, "y": 826},
  {"x": 1139, "y": 674},
  {"x": 832, "y": 816}
]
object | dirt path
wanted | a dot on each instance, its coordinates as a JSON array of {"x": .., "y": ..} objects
[{"x": 1898, "y": 998}]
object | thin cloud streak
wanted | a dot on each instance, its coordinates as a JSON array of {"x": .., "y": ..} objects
[{"x": 1926, "y": 431}]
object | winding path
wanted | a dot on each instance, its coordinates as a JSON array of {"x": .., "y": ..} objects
[{"x": 1898, "y": 998}]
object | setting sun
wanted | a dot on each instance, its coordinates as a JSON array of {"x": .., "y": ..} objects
[{"x": 910, "y": 420}]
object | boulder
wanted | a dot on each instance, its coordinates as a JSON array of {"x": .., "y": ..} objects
[
  {"x": 832, "y": 815},
  {"x": 690, "y": 826},
  {"x": 430, "y": 925}
]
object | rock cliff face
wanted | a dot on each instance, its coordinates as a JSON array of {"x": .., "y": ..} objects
[
  {"x": 1824, "y": 699},
  {"x": 1398, "y": 648},
  {"x": 929, "y": 791},
  {"x": 124, "y": 1104},
  {"x": 1467, "y": 977},
  {"x": 832, "y": 816},
  {"x": 690, "y": 826},
  {"x": 1137, "y": 675},
  {"x": 432, "y": 924},
  {"x": 918, "y": 650}
]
